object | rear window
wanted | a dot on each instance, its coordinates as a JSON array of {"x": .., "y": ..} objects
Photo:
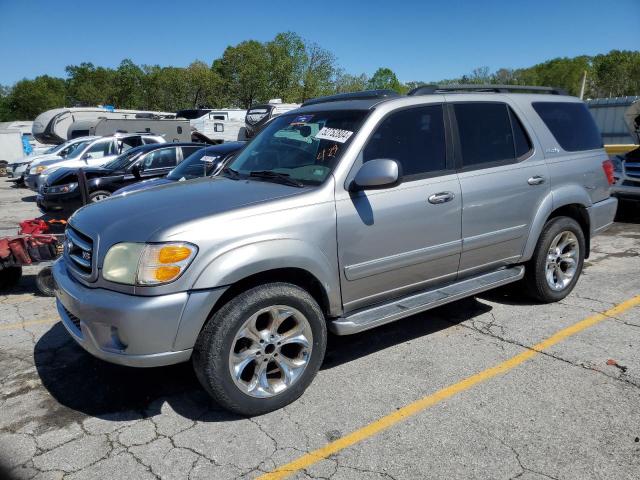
[{"x": 571, "y": 125}]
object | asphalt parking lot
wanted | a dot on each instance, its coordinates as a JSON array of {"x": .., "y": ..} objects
[{"x": 482, "y": 388}]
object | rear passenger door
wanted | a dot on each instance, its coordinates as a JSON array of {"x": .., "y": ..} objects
[
  {"x": 406, "y": 237},
  {"x": 503, "y": 179},
  {"x": 159, "y": 162}
]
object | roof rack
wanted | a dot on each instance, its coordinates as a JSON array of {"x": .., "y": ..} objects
[
  {"x": 365, "y": 95},
  {"x": 431, "y": 89}
]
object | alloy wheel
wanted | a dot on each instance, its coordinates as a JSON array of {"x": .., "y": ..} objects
[
  {"x": 562, "y": 260},
  {"x": 270, "y": 351}
]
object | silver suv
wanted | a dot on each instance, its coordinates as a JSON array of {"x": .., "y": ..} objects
[{"x": 350, "y": 212}]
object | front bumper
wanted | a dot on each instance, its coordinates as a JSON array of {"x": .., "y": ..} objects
[
  {"x": 55, "y": 202},
  {"x": 624, "y": 190},
  {"x": 31, "y": 181},
  {"x": 137, "y": 331}
]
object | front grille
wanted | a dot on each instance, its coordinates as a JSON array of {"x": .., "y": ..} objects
[
  {"x": 632, "y": 169},
  {"x": 79, "y": 248}
]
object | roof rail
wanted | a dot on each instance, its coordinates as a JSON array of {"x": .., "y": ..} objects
[
  {"x": 364, "y": 95},
  {"x": 431, "y": 89}
]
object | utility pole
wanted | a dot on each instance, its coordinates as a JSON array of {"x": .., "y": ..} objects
[{"x": 584, "y": 81}]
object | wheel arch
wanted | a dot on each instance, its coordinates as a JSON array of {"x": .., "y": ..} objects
[{"x": 573, "y": 208}]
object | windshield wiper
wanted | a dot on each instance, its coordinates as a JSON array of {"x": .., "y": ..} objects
[
  {"x": 230, "y": 173},
  {"x": 281, "y": 177}
]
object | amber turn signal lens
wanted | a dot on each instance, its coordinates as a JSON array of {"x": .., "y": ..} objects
[
  {"x": 166, "y": 273},
  {"x": 173, "y": 254}
]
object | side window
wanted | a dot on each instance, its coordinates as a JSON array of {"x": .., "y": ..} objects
[
  {"x": 186, "y": 151},
  {"x": 485, "y": 133},
  {"x": 415, "y": 138},
  {"x": 521, "y": 140},
  {"x": 163, "y": 158},
  {"x": 99, "y": 149},
  {"x": 149, "y": 140},
  {"x": 571, "y": 124}
]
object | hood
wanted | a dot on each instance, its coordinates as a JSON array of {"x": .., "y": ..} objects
[
  {"x": 154, "y": 182},
  {"x": 138, "y": 216},
  {"x": 65, "y": 174},
  {"x": 38, "y": 159}
]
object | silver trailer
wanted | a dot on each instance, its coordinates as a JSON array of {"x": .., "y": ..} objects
[
  {"x": 52, "y": 126},
  {"x": 173, "y": 130}
]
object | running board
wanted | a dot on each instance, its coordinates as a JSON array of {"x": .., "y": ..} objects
[{"x": 419, "y": 302}]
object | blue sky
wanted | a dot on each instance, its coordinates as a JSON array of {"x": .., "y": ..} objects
[{"x": 419, "y": 40}]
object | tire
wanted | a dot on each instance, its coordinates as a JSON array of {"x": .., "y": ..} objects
[
  {"x": 98, "y": 195},
  {"x": 9, "y": 278},
  {"x": 237, "y": 326},
  {"x": 550, "y": 281},
  {"x": 44, "y": 282}
]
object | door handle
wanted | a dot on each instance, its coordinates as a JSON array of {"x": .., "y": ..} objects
[
  {"x": 536, "y": 180},
  {"x": 441, "y": 197}
]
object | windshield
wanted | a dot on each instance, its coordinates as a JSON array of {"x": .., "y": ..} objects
[
  {"x": 198, "y": 164},
  {"x": 304, "y": 148},
  {"x": 124, "y": 160},
  {"x": 78, "y": 149}
]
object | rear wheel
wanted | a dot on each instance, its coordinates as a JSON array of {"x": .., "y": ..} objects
[
  {"x": 99, "y": 195},
  {"x": 557, "y": 260},
  {"x": 262, "y": 349}
]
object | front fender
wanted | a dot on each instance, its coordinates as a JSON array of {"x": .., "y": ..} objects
[{"x": 244, "y": 261}]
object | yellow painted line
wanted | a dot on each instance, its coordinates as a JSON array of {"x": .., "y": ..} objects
[
  {"x": 418, "y": 406},
  {"x": 20, "y": 325}
]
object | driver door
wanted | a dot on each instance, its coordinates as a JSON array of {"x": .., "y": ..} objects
[{"x": 406, "y": 237}]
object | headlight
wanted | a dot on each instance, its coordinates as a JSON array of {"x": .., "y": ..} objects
[
  {"x": 69, "y": 187},
  {"x": 147, "y": 264},
  {"x": 40, "y": 169}
]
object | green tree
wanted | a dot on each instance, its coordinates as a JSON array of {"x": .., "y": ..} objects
[
  {"x": 244, "y": 71},
  {"x": 29, "y": 98},
  {"x": 287, "y": 58},
  {"x": 88, "y": 85},
  {"x": 384, "y": 78},
  {"x": 127, "y": 90},
  {"x": 345, "y": 83},
  {"x": 615, "y": 74}
]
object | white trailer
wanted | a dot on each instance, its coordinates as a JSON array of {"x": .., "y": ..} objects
[
  {"x": 25, "y": 127},
  {"x": 224, "y": 125},
  {"x": 172, "y": 130},
  {"x": 11, "y": 148},
  {"x": 52, "y": 126}
]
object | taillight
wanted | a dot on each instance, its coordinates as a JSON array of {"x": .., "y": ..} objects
[{"x": 607, "y": 166}]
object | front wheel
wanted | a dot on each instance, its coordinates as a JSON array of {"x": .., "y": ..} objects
[
  {"x": 262, "y": 349},
  {"x": 557, "y": 260},
  {"x": 99, "y": 195}
]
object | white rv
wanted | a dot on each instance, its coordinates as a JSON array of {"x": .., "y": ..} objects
[
  {"x": 223, "y": 125},
  {"x": 52, "y": 126}
]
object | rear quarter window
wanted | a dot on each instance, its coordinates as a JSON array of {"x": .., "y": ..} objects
[{"x": 571, "y": 124}]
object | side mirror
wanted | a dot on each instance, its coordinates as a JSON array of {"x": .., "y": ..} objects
[
  {"x": 86, "y": 157},
  {"x": 137, "y": 169},
  {"x": 380, "y": 173}
]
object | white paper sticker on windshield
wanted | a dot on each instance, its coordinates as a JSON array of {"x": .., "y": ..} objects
[
  {"x": 208, "y": 159},
  {"x": 334, "y": 134}
]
